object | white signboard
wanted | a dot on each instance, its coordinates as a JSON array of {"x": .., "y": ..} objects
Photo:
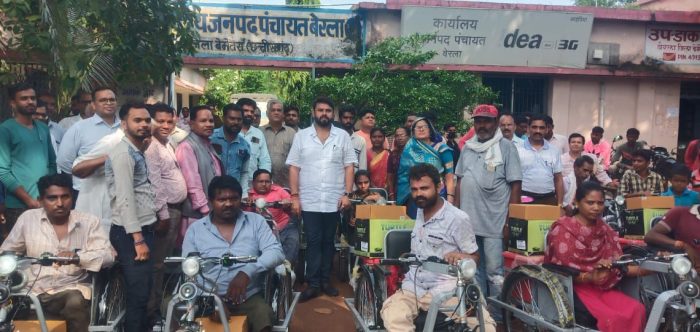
[
  {"x": 673, "y": 44},
  {"x": 276, "y": 33},
  {"x": 501, "y": 37}
]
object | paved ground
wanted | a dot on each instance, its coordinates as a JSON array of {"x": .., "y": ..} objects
[{"x": 325, "y": 313}]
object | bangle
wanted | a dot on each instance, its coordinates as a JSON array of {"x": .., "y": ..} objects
[
  {"x": 678, "y": 244},
  {"x": 138, "y": 243},
  {"x": 583, "y": 276}
]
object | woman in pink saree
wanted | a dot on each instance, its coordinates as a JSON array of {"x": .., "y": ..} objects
[{"x": 587, "y": 244}]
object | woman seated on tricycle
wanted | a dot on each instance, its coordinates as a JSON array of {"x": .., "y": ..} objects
[{"x": 587, "y": 244}]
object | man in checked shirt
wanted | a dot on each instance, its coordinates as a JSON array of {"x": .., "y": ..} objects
[{"x": 63, "y": 290}]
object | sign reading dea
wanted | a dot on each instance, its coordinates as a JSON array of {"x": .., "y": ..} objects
[
  {"x": 501, "y": 37},
  {"x": 277, "y": 33}
]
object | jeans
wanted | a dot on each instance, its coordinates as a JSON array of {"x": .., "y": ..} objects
[
  {"x": 138, "y": 276},
  {"x": 489, "y": 273},
  {"x": 320, "y": 228},
  {"x": 289, "y": 238}
]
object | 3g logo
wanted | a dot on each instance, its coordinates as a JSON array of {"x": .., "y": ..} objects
[{"x": 566, "y": 44}]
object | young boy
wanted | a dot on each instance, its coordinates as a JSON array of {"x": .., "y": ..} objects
[
  {"x": 641, "y": 181},
  {"x": 680, "y": 178}
]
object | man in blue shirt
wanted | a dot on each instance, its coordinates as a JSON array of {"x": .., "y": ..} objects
[
  {"x": 229, "y": 230},
  {"x": 233, "y": 149},
  {"x": 680, "y": 178},
  {"x": 259, "y": 155}
]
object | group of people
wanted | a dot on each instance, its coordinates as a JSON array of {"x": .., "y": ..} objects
[{"x": 146, "y": 181}]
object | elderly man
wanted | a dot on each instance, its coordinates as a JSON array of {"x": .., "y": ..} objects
[
  {"x": 229, "y": 230},
  {"x": 63, "y": 290},
  {"x": 541, "y": 165},
  {"x": 441, "y": 230},
  {"x": 279, "y": 138},
  {"x": 321, "y": 164},
  {"x": 507, "y": 124},
  {"x": 488, "y": 179}
]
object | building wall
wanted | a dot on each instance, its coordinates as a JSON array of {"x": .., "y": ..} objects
[
  {"x": 643, "y": 104},
  {"x": 682, "y": 5}
]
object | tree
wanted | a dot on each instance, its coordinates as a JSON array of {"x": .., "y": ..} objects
[
  {"x": 90, "y": 43},
  {"x": 606, "y": 3},
  {"x": 386, "y": 80}
]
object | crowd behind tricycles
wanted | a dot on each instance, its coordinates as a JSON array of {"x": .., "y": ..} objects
[{"x": 102, "y": 206}]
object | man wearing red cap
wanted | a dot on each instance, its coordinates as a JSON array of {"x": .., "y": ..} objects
[{"x": 488, "y": 179}]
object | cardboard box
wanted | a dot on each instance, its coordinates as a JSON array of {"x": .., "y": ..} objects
[
  {"x": 34, "y": 326},
  {"x": 363, "y": 211},
  {"x": 534, "y": 212},
  {"x": 527, "y": 236},
  {"x": 369, "y": 234},
  {"x": 235, "y": 323},
  {"x": 638, "y": 222},
  {"x": 649, "y": 202}
]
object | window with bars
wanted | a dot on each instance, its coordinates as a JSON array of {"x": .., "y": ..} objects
[{"x": 518, "y": 94}]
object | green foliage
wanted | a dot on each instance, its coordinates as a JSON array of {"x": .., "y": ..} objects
[
  {"x": 89, "y": 43},
  {"x": 223, "y": 83},
  {"x": 385, "y": 80},
  {"x": 606, "y": 3}
]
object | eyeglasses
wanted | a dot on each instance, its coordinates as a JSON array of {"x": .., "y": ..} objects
[
  {"x": 106, "y": 101},
  {"x": 421, "y": 127}
]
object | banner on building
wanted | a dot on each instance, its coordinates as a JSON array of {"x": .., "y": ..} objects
[
  {"x": 673, "y": 44},
  {"x": 501, "y": 37},
  {"x": 277, "y": 33}
]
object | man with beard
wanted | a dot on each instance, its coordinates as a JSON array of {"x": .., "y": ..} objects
[
  {"x": 82, "y": 136},
  {"x": 488, "y": 179},
  {"x": 292, "y": 117},
  {"x": 228, "y": 142},
  {"x": 451, "y": 139},
  {"x": 79, "y": 109},
  {"x": 26, "y": 154},
  {"x": 441, "y": 230},
  {"x": 507, "y": 124},
  {"x": 279, "y": 140},
  {"x": 582, "y": 170},
  {"x": 521, "y": 125},
  {"x": 199, "y": 162},
  {"x": 228, "y": 230},
  {"x": 321, "y": 164},
  {"x": 170, "y": 191},
  {"x": 133, "y": 212},
  {"x": 541, "y": 165},
  {"x": 63, "y": 290},
  {"x": 347, "y": 121},
  {"x": 259, "y": 155},
  {"x": 556, "y": 140},
  {"x": 41, "y": 113}
]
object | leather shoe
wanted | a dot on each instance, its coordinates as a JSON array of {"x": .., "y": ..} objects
[
  {"x": 330, "y": 290},
  {"x": 309, "y": 294}
]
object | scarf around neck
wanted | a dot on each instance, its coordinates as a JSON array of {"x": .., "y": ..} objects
[{"x": 493, "y": 156}]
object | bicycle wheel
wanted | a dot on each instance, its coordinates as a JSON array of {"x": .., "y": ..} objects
[
  {"x": 537, "y": 292},
  {"x": 111, "y": 300},
  {"x": 278, "y": 294},
  {"x": 366, "y": 299}
]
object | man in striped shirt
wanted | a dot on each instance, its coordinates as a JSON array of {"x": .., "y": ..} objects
[{"x": 63, "y": 290}]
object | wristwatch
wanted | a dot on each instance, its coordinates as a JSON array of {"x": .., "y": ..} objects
[{"x": 346, "y": 194}]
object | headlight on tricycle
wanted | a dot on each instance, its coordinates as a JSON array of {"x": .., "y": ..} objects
[
  {"x": 689, "y": 289},
  {"x": 468, "y": 268},
  {"x": 190, "y": 266},
  {"x": 8, "y": 264},
  {"x": 620, "y": 200},
  {"x": 681, "y": 265}
]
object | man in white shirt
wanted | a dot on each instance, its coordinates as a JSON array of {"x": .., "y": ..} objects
[
  {"x": 259, "y": 155},
  {"x": 583, "y": 168},
  {"x": 507, "y": 124},
  {"x": 556, "y": 140},
  {"x": 540, "y": 162},
  {"x": 321, "y": 168}
]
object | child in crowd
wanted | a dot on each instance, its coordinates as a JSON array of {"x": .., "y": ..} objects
[{"x": 680, "y": 178}]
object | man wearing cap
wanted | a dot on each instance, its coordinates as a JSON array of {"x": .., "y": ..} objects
[{"x": 488, "y": 179}]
